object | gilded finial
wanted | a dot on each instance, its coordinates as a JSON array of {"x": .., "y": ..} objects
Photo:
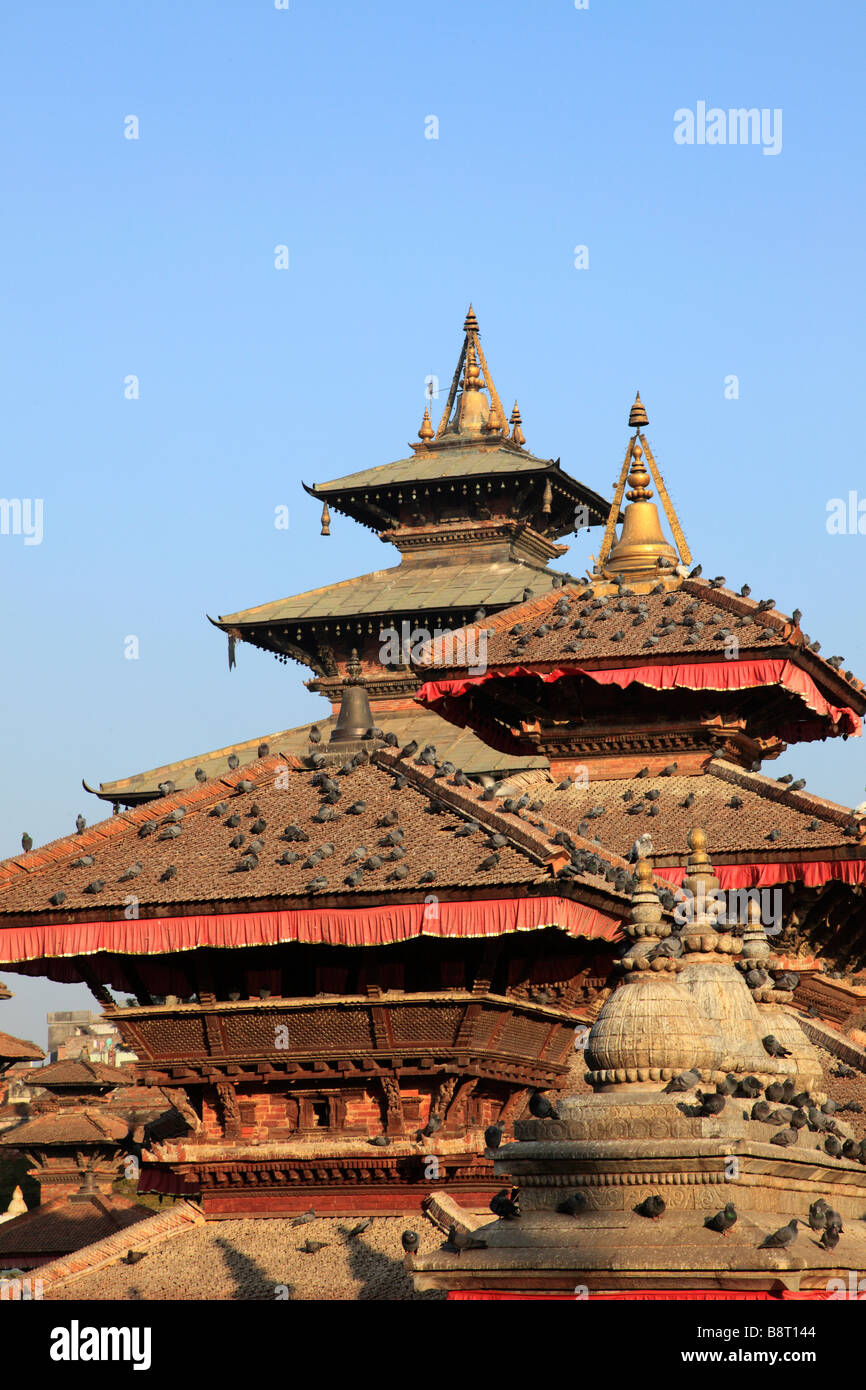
[
  {"x": 471, "y": 323},
  {"x": 326, "y": 520},
  {"x": 426, "y": 430},
  {"x": 638, "y": 478},
  {"x": 517, "y": 434},
  {"x": 547, "y": 499},
  {"x": 471, "y": 371},
  {"x": 637, "y": 415}
]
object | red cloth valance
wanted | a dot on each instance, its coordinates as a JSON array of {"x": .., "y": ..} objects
[
  {"x": 812, "y": 873},
  {"x": 688, "y": 675},
  {"x": 382, "y": 925}
]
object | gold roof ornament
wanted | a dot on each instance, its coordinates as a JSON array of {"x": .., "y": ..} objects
[
  {"x": 637, "y": 418},
  {"x": 469, "y": 412},
  {"x": 642, "y": 555},
  {"x": 326, "y": 520},
  {"x": 517, "y": 435},
  {"x": 426, "y": 430}
]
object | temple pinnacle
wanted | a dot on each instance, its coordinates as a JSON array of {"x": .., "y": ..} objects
[
  {"x": 517, "y": 434},
  {"x": 637, "y": 418},
  {"x": 426, "y": 430}
]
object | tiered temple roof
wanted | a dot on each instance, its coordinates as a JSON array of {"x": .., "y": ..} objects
[{"x": 475, "y": 517}]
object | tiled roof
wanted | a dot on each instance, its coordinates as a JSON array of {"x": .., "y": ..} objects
[
  {"x": 62, "y": 1226},
  {"x": 412, "y": 588},
  {"x": 19, "y": 1050},
  {"x": 456, "y": 462},
  {"x": 79, "y": 1073},
  {"x": 281, "y": 794},
  {"x": 692, "y": 621},
  {"x": 67, "y": 1126},
  {"x": 739, "y": 810},
  {"x": 459, "y": 746}
]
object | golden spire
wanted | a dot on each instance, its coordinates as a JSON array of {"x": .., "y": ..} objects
[
  {"x": 326, "y": 520},
  {"x": 470, "y": 412},
  {"x": 642, "y": 554},
  {"x": 426, "y": 430},
  {"x": 517, "y": 435}
]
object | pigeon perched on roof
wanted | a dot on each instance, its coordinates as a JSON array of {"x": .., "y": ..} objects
[
  {"x": 80, "y": 824},
  {"x": 57, "y": 898},
  {"x": 724, "y": 1220},
  {"x": 200, "y": 774},
  {"x": 773, "y": 1047},
  {"x": 410, "y": 1241},
  {"x": 505, "y": 1204},
  {"x": 542, "y": 1108},
  {"x": 132, "y": 872},
  {"x": 26, "y": 842},
  {"x": 779, "y": 1240},
  {"x": 652, "y": 1206}
]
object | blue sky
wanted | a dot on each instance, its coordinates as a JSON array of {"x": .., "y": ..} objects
[{"x": 305, "y": 127}]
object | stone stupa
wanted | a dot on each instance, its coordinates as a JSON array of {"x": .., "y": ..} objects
[{"x": 696, "y": 997}]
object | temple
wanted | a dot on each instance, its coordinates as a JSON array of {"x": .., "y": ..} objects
[
  {"x": 475, "y": 517},
  {"x": 347, "y": 954}
]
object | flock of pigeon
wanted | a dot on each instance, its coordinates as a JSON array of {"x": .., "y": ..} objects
[{"x": 590, "y": 615}]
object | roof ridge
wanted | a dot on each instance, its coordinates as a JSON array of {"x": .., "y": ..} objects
[{"x": 799, "y": 800}]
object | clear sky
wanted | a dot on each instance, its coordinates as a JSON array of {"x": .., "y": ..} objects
[{"x": 307, "y": 128}]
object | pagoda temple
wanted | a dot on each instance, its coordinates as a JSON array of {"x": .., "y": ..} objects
[
  {"x": 348, "y": 965},
  {"x": 475, "y": 517},
  {"x": 656, "y": 695}
]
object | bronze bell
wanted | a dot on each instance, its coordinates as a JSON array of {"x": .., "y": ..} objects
[{"x": 355, "y": 719}]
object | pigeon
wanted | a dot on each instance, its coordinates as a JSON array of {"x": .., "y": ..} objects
[
  {"x": 57, "y": 898},
  {"x": 381, "y": 1141},
  {"x": 96, "y": 886},
  {"x": 723, "y": 1220},
  {"x": 149, "y": 827},
  {"x": 572, "y": 1205},
  {"x": 83, "y": 863},
  {"x": 830, "y": 1238},
  {"x": 785, "y": 1137},
  {"x": 653, "y": 1206},
  {"x": 505, "y": 1204},
  {"x": 26, "y": 842},
  {"x": 317, "y": 884},
  {"x": 493, "y": 1135},
  {"x": 315, "y": 734},
  {"x": 410, "y": 1242},
  {"x": 818, "y": 1214},
  {"x": 306, "y": 1216},
  {"x": 728, "y": 1086},
  {"x": 832, "y": 1146},
  {"x": 774, "y": 1047},
  {"x": 688, "y": 802},
  {"x": 686, "y": 1081},
  {"x": 359, "y": 1229},
  {"x": 460, "y": 1240},
  {"x": 80, "y": 825},
  {"x": 491, "y": 862},
  {"x": 168, "y": 873},
  {"x": 779, "y": 1240},
  {"x": 541, "y": 1107},
  {"x": 428, "y": 877},
  {"x": 132, "y": 872},
  {"x": 132, "y": 1257},
  {"x": 433, "y": 1124},
  {"x": 711, "y": 1104},
  {"x": 312, "y": 1247},
  {"x": 775, "y": 1091},
  {"x": 233, "y": 761}
]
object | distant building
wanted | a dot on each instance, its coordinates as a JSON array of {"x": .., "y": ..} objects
[{"x": 72, "y": 1032}]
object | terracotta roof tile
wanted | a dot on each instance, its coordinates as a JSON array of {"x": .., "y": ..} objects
[{"x": 207, "y": 866}]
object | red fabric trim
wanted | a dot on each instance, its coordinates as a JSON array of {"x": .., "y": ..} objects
[
  {"x": 690, "y": 675},
  {"x": 813, "y": 873},
  {"x": 366, "y": 926},
  {"x": 636, "y": 1295}
]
